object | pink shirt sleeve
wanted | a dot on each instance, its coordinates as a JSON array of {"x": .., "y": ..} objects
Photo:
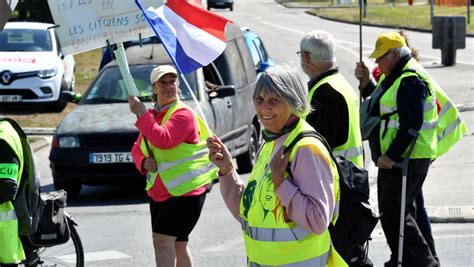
[
  {"x": 309, "y": 195},
  {"x": 138, "y": 156},
  {"x": 232, "y": 188},
  {"x": 180, "y": 127}
]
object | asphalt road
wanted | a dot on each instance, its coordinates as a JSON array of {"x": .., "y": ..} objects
[{"x": 114, "y": 221}]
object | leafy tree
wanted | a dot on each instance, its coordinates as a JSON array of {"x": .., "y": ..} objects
[{"x": 32, "y": 10}]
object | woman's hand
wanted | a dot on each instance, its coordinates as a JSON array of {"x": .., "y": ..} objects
[
  {"x": 219, "y": 155},
  {"x": 278, "y": 165},
  {"x": 362, "y": 74},
  {"x": 149, "y": 164},
  {"x": 136, "y": 106}
]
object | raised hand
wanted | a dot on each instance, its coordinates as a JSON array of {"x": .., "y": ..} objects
[
  {"x": 219, "y": 155},
  {"x": 362, "y": 73},
  {"x": 278, "y": 165},
  {"x": 136, "y": 106}
]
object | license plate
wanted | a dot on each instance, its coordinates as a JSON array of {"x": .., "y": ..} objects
[
  {"x": 114, "y": 157},
  {"x": 10, "y": 98}
]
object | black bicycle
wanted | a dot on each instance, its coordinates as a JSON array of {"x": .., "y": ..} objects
[{"x": 50, "y": 246}]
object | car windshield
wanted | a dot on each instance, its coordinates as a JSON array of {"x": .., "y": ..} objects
[
  {"x": 25, "y": 40},
  {"x": 109, "y": 87}
]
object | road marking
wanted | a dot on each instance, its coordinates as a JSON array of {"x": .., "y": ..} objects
[
  {"x": 349, "y": 46},
  {"x": 96, "y": 256},
  {"x": 282, "y": 27},
  {"x": 380, "y": 237}
]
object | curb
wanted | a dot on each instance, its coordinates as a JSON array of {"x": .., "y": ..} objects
[
  {"x": 290, "y": 5},
  {"x": 38, "y": 144},
  {"x": 38, "y": 131},
  {"x": 460, "y": 214}
]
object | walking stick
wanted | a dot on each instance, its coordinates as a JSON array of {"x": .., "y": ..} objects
[{"x": 404, "y": 167}]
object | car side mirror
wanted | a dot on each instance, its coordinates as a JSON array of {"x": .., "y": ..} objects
[
  {"x": 71, "y": 97},
  {"x": 263, "y": 66},
  {"x": 222, "y": 91}
]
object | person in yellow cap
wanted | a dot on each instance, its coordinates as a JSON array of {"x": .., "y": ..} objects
[{"x": 407, "y": 109}]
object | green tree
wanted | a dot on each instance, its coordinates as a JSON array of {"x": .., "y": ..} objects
[{"x": 33, "y": 10}]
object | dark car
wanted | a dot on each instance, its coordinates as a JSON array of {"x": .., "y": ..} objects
[
  {"x": 259, "y": 54},
  {"x": 220, "y": 4},
  {"x": 92, "y": 143}
]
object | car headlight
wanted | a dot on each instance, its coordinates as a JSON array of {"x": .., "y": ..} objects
[
  {"x": 68, "y": 142},
  {"x": 48, "y": 73}
]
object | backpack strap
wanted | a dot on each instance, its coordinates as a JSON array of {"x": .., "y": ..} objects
[{"x": 304, "y": 134}]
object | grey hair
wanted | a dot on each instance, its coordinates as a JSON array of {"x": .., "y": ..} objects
[
  {"x": 285, "y": 82},
  {"x": 401, "y": 51},
  {"x": 320, "y": 44}
]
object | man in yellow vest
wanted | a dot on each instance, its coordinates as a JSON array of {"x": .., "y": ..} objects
[
  {"x": 11, "y": 167},
  {"x": 407, "y": 109},
  {"x": 331, "y": 96}
]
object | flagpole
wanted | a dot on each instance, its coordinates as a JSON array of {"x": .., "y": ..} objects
[{"x": 200, "y": 111}]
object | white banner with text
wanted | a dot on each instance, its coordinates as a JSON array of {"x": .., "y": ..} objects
[{"x": 87, "y": 24}]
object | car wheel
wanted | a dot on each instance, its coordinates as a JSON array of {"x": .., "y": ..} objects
[
  {"x": 245, "y": 161},
  {"x": 72, "y": 188}
]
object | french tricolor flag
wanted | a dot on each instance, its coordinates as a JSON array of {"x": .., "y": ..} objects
[{"x": 193, "y": 36}]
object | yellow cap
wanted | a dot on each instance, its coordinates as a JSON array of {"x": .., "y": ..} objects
[{"x": 386, "y": 42}]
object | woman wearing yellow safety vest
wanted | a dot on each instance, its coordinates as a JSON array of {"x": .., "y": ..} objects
[
  {"x": 171, "y": 150},
  {"x": 290, "y": 199}
]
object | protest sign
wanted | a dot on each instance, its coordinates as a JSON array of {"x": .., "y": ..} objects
[{"x": 87, "y": 24}]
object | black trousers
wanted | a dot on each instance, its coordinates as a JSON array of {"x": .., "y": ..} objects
[{"x": 416, "y": 251}]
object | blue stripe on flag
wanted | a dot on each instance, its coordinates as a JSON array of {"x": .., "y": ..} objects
[{"x": 184, "y": 63}]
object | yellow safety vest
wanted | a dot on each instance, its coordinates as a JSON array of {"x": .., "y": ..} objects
[
  {"x": 184, "y": 167},
  {"x": 352, "y": 149},
  {"x": 11, "y": 250},
  {"x": 426, "y": 143},
  {"x": 270, "y": 238},
  {"x": 451, "y": 128}
]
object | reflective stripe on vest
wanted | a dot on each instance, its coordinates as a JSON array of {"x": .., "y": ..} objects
[
  {"x": 166, "y": 165},
  {"x": 427, "y": 125},
  {"x": 428, "y": 106},
  {"x": 319, "y": 261},
  {"x": 350, "y": 153},
  {"x": 445, "y": 109},
  {"x": 181, "y": 179},
  {"x": 6, "y": 216},
  {"x": 450, "y": 128},
  {"x": 274, "y": 234}
]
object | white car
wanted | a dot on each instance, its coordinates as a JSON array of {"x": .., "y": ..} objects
[{"x": 32, "y": 67}]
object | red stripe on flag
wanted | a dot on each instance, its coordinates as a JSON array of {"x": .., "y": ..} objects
[{"x": 199, "y": 17}]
